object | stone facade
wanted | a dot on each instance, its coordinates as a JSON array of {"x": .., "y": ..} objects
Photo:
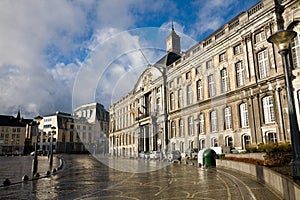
[
  {"x": 227, "y": 91},
  {"x": 86, "y": 129}
]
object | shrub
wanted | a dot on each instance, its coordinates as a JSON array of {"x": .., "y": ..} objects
[
  {"x": 275, "y": 147},
  {"x": 251, "y": 148}
]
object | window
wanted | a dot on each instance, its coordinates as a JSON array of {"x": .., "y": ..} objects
[
  {"x": 237, "y": 49},
  {"x": 71, "y": 136},
  {"x": 202, "y": 143},
  {"x": 240, "y": 74},
  {"x": 189, "y": 94},
  {"x": 190, "y": 126},
  {"x": 172, "y": 101},
  {"x": 181, "y": 146},
  {"x": 199, "y": 90},
  {"x": 222, "y": 57},
  {"x": 224, "y": 80},
  {"x": 180, "y": 98},
  {"x": 246, "y": 139},
  {"x": 244, "y": 115},
  {"x": 201, "y": 123},
  {"x": 181, "y": 127},
  {"x": 228, "y": 141},
  {"x": 158, "y": 104},
  {"x": 271, "y": 137},
  {"x": 209, "y": 64},
  {"x": 188, "y": 75},
  {"x": 260, "y": 37},
  {"x": 172, "y": 84},
  {"x": 295, "y": 48},
  {"x": 179, "y": 80},
  {"x": 213, "y": 121},
  {"x": 198, "y": 70},
  {"x": 214, "y": 142},
  {"x": 263, "y": 65},
  {"x": 173, "y": 129},
  {"x": 211, "y": 86},
  {"x": 227, "y": 118},
  {"x": 268, "y": 109}
]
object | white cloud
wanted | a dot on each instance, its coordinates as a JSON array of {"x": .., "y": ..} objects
[{"x": 43, "y": 44}]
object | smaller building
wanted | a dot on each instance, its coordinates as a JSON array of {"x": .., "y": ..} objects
[
  {"x": 84, "y": 130},
  {"x": 14, "y": 132}
]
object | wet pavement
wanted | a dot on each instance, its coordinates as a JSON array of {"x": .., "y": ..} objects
[
  {"x": 15, "y": 167},
  {"x": 84, "y": 177}
]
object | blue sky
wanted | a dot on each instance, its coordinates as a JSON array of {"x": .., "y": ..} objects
[{"x": 55, "y": 53}]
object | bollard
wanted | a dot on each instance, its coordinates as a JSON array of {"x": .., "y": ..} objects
[
  {"x": 6, "y": 182},
  {"x": 37, "y": 175},
  {"x": 53, "y": 170},
  {"x": 25, "y": 178}
]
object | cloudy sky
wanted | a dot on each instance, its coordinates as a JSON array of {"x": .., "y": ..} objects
[{"x": 58, "y": 54}]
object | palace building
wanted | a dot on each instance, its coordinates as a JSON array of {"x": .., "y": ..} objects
[{"x": 227, "y": 91}]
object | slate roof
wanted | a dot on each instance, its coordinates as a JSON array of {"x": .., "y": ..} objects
[{"x": 7, "y": 120}]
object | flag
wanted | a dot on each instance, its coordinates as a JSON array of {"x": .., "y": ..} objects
[
  {"x": 132, "y": 111},
  {"x": 139, "y": 111}
]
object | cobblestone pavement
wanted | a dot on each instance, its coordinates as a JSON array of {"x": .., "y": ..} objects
[
  {"x": 14, "y": 168},
  {"x": 83, "y": 177}
]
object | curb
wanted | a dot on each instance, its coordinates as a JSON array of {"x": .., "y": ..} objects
[{"x": 281, "y": 184}]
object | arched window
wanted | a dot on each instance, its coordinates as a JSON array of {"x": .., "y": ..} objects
[
  {"x": 172, "y": 101},
  {"x": 180, "y": 98},
  {"x": 246, "y": 140},
  {"x": 181, "y": 147},
  {"x": 228, "y": 141},
  {"x": 202, "y": 143},
  {"x": 201, "y": 123},
  {"x": 214, "y": 142},
  {"x": 199, "y": 90},
  {"x": 173, "y": 129},
  {"x": 173, "y": 146},
  {"x": 189, "y": 99},
  {"x": 181, "y": 127}
]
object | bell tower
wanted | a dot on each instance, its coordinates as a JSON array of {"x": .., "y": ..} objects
[{"x": 173, "y": 42}]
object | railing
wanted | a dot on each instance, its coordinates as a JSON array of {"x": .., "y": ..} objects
[
  {"x": 233, "y": 24},
  {"x": 255, "y": 8}
]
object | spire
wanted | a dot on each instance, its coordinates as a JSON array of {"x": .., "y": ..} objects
[
  {"x": 173, "y": 41},
  {"x": 19, "y": 114},
  {"x": 172, "y": 26}
]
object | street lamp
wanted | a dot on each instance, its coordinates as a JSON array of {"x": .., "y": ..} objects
[
  {"x": 35, "y": 125},
  {"x": 51, "y": 146},
  {"x": 162, "y": 70},
  {"x": 282, "y": 39}
]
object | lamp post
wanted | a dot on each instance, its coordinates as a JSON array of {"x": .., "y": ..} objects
[
  {"x": 35, "y": 125},
  {"x": 281, "y": 39},
  {"x": 162, "y": 70},
  {"x": 51, "y": 146}
]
